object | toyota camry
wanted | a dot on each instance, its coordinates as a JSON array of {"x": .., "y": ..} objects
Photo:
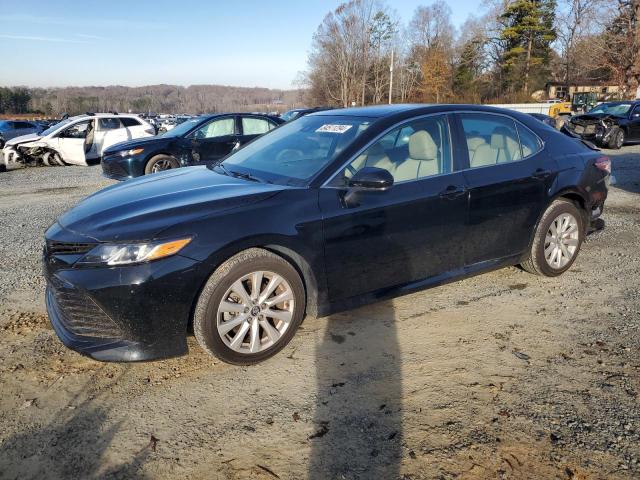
[{"x": 327, "y": 212}]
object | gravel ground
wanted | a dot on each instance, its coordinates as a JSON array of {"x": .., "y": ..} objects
[{"x": 504, "y": 375}]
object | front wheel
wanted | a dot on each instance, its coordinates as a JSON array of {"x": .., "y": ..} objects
[
  {"x": 250, "y": 308},
  {"x": 160, "y": 163},
  {"x": 557, "y": 240},
  {"x": 616, "y": 141}
]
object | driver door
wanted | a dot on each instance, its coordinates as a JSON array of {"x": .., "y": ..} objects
[
  {"x": 413, "y": 231},
  {"x": 71, "y": 143},
  {"x": 214, "y": 140},
  {"x": 634, "y": 124}
]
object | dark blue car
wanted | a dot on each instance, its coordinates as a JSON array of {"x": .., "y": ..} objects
[
  {"x": 330, "y": 211},
  {"x": 198, "y": 140}
]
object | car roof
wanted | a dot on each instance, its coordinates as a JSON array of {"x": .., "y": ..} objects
[{"x": 401, "y": 111}]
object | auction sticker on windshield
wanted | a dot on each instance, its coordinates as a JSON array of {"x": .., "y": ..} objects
[{"x": 334, "y": 128}]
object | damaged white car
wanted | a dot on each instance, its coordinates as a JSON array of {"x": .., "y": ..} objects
[{"x": 77, "y": 140}]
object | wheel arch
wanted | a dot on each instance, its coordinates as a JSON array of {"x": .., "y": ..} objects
[
  {"x": 569, "y": 193},
  {"x": 314, "y": 296}
]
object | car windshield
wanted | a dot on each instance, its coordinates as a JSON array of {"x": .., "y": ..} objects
[
  {"x": 184, "y": 127},
  {"x": 615, "y": 109},
  {"x": 54, "y": 127},
  {"x": 295, "y": 152}
]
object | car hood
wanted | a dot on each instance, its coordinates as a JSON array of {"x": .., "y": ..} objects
[
  {"x": 130, "y": 144},
  {"x": 23, "y": 139},
  {"x": 142, "y": 208},
  {"x": 592, "y": 118}
]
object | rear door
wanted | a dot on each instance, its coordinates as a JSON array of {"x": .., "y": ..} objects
[
  {"x": 213, "y": 140},
  {"x": 411, "y": 232},
  {"x": 109, "y": 131},
  {"x": 508, "y": 175}
]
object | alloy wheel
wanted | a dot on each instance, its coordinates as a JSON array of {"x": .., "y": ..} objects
[
  {"x": 255, "y": 312},
  {"x": 161, "y": 165},
  {"x": 561, "y": 242}
]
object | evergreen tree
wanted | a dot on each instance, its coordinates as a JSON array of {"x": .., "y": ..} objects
[{"x": 528, "y": 33}]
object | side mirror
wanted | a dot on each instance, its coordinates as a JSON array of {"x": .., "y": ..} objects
[
  {"x": 371, "y": 178},
  {"x": 368, "y": 179}
]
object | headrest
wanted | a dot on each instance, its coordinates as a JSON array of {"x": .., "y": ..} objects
[
  {"x": 499, "y": 138},
  {"x": 422, "y": 146},
  {"x": 475, "y": 142}
]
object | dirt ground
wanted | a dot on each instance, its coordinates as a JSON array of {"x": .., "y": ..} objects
[{"x": 504, "y": 375}]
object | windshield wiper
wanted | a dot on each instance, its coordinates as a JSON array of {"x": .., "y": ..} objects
[
  {"x": 246, "y": 176},
  {"x": 223, "y": 168}
]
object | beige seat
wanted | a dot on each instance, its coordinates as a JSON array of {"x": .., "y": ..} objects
[
  {"x": 473, "y": 143},
  {"x": 507, "y": 148},
  {"x": 503, "y": 148},
  {"x": 423, "y": 158},
  {"x": 375, "y": 156}
]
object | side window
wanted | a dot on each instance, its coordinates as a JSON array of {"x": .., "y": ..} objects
[
  {"x": 216, "y": 128},
  {"x": 24, "y": 125},
  {"x": 491, "y": 139},
  {"x": 78, "y": 130},
  {"x": 529, "y": 142},
  {"x": 130, "y": 122},
  {"x": 109, "y": 123},
  {"x": 255, "y": 126},
  {"x": 420, "y": 149}
]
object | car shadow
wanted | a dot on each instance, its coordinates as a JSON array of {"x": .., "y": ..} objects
[
  {"x": 72, "y": 445},
  {"x": 358, "y": 411}
]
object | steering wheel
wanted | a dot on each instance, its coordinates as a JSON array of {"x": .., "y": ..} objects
[{"x": 289, "y": 154}]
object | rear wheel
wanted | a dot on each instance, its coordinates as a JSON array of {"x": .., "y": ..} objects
[
  {"x": 557, "y": 240},
  {"x": 617, "y": 138},
  {"x": 160, "y": 163},
  {"x": 250, "y": 308}
]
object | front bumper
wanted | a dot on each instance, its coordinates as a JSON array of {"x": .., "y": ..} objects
[
  {"x": 116, "y": 167},
  {"x": 133, "y": 313}
]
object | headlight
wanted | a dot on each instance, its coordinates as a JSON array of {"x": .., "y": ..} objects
[
  {"x": 127, "y": 254},
  {"x": 128, "y": 153}
]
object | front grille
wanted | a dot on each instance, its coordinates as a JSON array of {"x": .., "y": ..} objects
[
  {"x": 80, "y": 315},
  {"x": 68, "y": 248},
  {"x": 113, "y": 169}
]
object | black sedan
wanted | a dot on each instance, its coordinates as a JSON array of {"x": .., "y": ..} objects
[
  {"x": 203, "y": 139},
  {"x": 330, "y": 211},
  {"x": 609, "y": 125}
]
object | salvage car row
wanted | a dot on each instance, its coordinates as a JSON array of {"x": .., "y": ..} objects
[{"x": 121, "y": 141}]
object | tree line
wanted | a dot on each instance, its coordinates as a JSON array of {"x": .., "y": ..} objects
[
  {"x": 507, "y": 51},
  {"x": 194, "y": 99}
]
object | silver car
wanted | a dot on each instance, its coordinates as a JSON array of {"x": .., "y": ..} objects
[{"x": 15, "y": 128}]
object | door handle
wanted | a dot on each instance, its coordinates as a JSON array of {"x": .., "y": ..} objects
[
  {"x": 541, "y": 174},
  {"x": 453, "y": 191}
]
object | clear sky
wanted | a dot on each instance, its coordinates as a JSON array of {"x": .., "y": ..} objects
[{"x": 140, "y": 42}]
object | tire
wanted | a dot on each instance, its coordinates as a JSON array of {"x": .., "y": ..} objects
[
  {"x": 217, "y": 325},
  {"x": 617, "y": 139},
  {"x": 543, "y": 245},
  {"x": 160, "y": 163}
]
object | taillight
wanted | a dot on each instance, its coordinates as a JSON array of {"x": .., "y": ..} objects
[{"x": 604, "y": 164}]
